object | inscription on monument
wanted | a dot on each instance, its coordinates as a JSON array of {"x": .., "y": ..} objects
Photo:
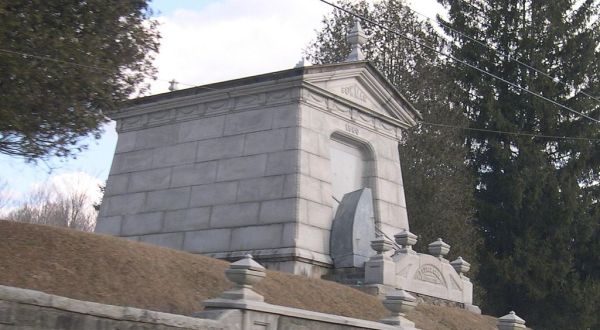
[
  {"x": 352, "y": 129},
  {"x": 354, "y": 92}
]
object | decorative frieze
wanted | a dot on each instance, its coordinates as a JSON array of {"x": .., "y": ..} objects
[
  {"x": 135, "y": 118},
  {"x": 430, "y": 274}
]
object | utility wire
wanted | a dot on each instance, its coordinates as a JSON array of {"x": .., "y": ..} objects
[
  {"x": 481, "y": 43},
  {"x": 215, "y": 89},
  {"x": 460, "y": 61},
  {"x": 47, "y": 58},
  {"x": 533, "y": 135}
]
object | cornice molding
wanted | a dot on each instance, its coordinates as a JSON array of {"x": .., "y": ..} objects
[{"x": 222, "y": 102}]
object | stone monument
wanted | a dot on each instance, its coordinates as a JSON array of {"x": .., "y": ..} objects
[{"x": 260, "y": 164}]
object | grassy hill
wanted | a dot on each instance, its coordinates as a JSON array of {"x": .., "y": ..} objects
[{"x": 116, "y": 271}]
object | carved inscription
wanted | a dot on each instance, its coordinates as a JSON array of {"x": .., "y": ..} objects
[
  {"x": 355, "y": 92},
  {"x": 352, "y": 129},
  {"x": 430, "y": 273}
]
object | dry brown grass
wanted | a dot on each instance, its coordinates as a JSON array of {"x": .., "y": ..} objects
[{"x": 116, "y": 271}]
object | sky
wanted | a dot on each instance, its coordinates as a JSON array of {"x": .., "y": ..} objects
[{"x": 203, "y": 41}]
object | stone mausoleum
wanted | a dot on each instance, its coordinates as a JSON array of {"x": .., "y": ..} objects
[{"x": 299, "y": 167}]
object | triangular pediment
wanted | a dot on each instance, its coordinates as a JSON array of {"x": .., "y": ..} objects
[{"x": 361, "y": 84}]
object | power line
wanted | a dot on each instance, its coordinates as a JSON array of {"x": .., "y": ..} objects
[
  {"x": 481, "y": 43},
  {"x": 533, "y": 135},
  {"x": 215, "y": 89},
  {"x": 461, "y": 61}
]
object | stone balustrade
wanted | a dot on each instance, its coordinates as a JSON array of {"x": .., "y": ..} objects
[{"x": 430, "y": 275}]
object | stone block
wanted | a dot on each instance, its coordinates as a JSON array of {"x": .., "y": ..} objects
[
  {"x": 241, "y": 167},
  {"x": 260, "y": 189},
  {"x": 248, "y": 121},
  {"x": 194, "y": 174},
  {"x": 324, "y": 144},
  {"x": 116, "y": 184},
  {"x": 158, "y": 136},
  {"x": 380, "y": 270},
  {"x": 149, "y": 180},
  {"x": 286, "y": 116},
  {"x": 292, "y": 138},
  {"x": 8, "y": 312},
  {"x": 319, "y": 215},
  {"x": 315, "y": 119},
  {"x": 389, "y": 170},
  {"x": 386, "y": 148},
  {"x": 282, "y": 162},
  {"x": 327, "y": 194},
  {"x": 313, "y": 238},
  {"x": 319, "y": 167},
  {"x": 204, "y": 241},
  {"x": 290, "y": 186},
  {"x": 132, "y": 161},
  {"x": 256, "y": 237},
  {"x": 220, "y": 148},
  {"x": 179, "y": 154},
  {"x": 168, "y": 199},
  {"x": 304, "y": 162},
  {"x": 392, "y": 214},
  {"x": 142, "y": 223},
  {"x": 309, "y": 141},
  {"x": 169, "y": 240},
  {"x": 289, "y": 236},
  {"x": 109, "y": 225},
  {"x": 188, "y": 219},
  {"x": 234, "y": 215},
  {"x": 125, "y": 204},
  {"x": 310, "y": 188},
  {"x": 126, "y": 142},
  {"x": 213, "y": 194},
  {"x": 385, "y": 211},
  {"x": 200, "y": 129},
  {"x": 387, "y": 191},
  {"x": 401, "y": 197},
  {"x": 264, "y": 142},
  {"x": 279, "y": 210}
]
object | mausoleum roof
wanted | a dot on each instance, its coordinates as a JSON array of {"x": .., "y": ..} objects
[{"x": 313, "y": 73}]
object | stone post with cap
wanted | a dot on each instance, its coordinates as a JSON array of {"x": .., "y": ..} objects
[
  {"x": 245, "y": 273},
  {"x": 511, "y": 321},
  {"x": 406, "y": 240},
  {"x": 380, "y": 268},
  {"x": 439, "y": 248},
  {"x": 399, "y": 303}
]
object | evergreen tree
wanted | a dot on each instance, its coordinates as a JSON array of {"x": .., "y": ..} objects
[
  {"x": 62, "y": 64},
  {"x": 437, "y": 183},
  {"x": 536, "y": 197}
]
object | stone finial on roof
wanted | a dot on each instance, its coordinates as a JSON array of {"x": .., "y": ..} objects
[
  {"x": 173, "y": 85},
  {"x": 301, "y": 63},
  {"x": 356, "y": 38}
]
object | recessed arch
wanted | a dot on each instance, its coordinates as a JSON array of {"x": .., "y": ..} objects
[{"x": 353, "y": 167}]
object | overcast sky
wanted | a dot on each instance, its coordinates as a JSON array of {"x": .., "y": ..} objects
[{"x": 203, "y": 41}]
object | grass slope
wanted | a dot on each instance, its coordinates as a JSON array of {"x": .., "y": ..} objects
[{"x": 116, "y": 271}]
